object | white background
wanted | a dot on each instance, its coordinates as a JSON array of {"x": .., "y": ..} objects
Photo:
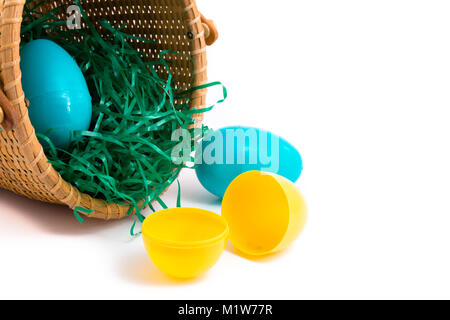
[{"x": 362, "y": 88}]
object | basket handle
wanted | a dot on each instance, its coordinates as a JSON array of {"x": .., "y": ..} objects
[
  {"x": 211, "y": 33},
  {"x": 8, "y": 118}
]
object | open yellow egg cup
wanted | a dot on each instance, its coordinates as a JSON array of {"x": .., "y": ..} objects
[
  {"x": 185, "y": 242},
  {"x": 262, "y": 213},
  {"x": 265, "y": 213}
]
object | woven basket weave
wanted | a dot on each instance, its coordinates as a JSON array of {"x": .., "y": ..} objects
[{"x": 173, "y": 24}]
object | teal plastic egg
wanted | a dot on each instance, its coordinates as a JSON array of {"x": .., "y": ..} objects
[
  {"x": 231, "y": 151},
  {"x": 60, "y": 102}
]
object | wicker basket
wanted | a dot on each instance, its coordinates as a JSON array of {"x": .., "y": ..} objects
[{"x": 173, "y": 24}]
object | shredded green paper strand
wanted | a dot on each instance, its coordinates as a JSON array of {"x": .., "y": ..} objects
[{"x": 126, "y": 156}]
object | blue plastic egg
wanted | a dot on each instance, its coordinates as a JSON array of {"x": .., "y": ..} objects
[
  {"x": 229, "y": 152},
  {"x": 60, "y": 102}
]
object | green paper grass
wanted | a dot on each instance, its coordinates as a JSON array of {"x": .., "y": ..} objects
[{"x": 126, "y": 156}]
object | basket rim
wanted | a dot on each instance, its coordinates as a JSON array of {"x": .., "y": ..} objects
[{"x": 23, "y": 133}]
